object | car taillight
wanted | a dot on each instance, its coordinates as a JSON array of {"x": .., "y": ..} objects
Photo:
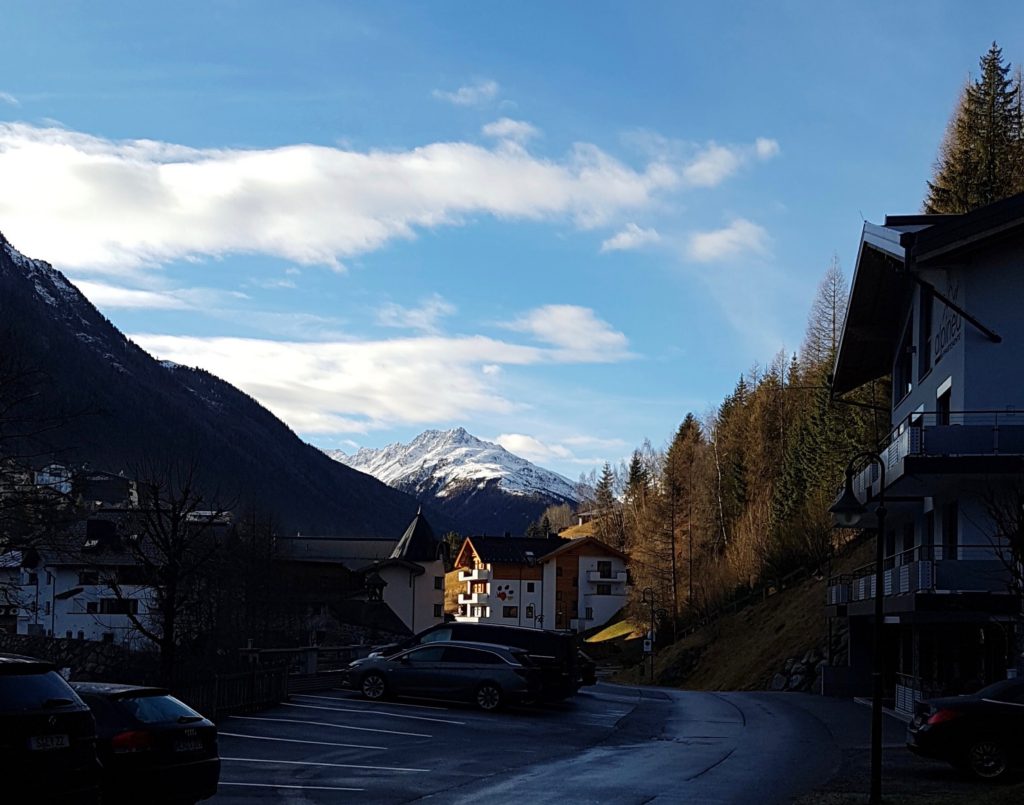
[
  {"x": 943, "y": 715},
  {"x": 132, "y": 741}
]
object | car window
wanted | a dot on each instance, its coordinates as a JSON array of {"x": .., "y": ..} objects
[
  {"x": 157, "y": 709},
  {"x": 428, "y": 654},
  {"x": 439, "y": 636},
  {"x": 470, "y": 655},
  {"x": 21, "y": 692},
  {"x": 105, "y": 712}
]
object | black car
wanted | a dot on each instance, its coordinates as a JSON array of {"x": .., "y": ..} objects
[
  {"x": 153, "y": 747},
  {"x": 980, "y": 733},
  {"x": 47, "y": 734},
  {"x": 554, "y": 652},
  {"x": 486, "y": 675}
]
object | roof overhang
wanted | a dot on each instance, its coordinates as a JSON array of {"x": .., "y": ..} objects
[{"x": 878, "y": 298}]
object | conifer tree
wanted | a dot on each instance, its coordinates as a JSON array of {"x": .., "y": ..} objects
[{"x": 980, "y": 159}]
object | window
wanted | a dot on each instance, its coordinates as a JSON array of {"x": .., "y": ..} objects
[
  {"x": 950, "y": 530},
  {"x": 92, "y": 607},
  {"x": 438, "y": 636},
  {"x": 81, "y": 635},
  {"x": 902, "y": 367},
  {"x": 438, "y": 582},
  {"x": 68, "y": 634},
  {"x": 107, "y": 637},
  {"x": 33, "y": 579},
  {"x": 604, "y": 569},
  {"x": 529, "y": 586},
  {"x": 424, "y": 655},
  {"x": 929, "y": 529},
  {"x": 510, "y": 612},
  {"x": 558, "y": 570},
  {"x": 589, "y": 615},
  {"x": 604, "y": 589},
  {"x": 46, "y": 608},
  {"x": 88, "y": 577},
  {"x": 438, "y": 611},
  {"x": 942, "y": 404},
  {"x": 119, "y": 606},
  {"x": 575, "y": 581},
  {"x": 924, "y": 355},
  {"x": 558, "y": 595},
  {"x": 530, "y": 611},
  {"x": 478, "y": 586}
]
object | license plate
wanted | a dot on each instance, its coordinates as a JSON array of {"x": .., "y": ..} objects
[
  {"x": 188, "y": 745},
  {"x": 44, "y": 742}
]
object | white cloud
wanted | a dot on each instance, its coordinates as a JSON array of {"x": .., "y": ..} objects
[
  {"x": 631, "y": 237},
  {"x": 574, "y": 331},
  {"x": 423, "y": 318},
  {"x": 96, "y": 204},
  {"x": 738, "y": 237},
  {"x": 350, "y": 386},
  {"x": 766, "y": 148},
  {"x": 110, "y": 296},
  {"x": 6, "y": 97},
  {"x": 105, "y": 296},
  {"x": 715, "y": 163},
  {"x": 532, "y": 449},
  {"x": 471, "y": 94},
  {"x": 508, "y": 129}
]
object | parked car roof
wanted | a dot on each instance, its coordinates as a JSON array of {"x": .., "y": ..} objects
[
  {"x": 19, "y": 663},
  {"x": 468, "y": 644},
  {"x": 117, "y": 691}
]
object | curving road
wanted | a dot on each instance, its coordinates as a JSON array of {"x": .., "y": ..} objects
[{"x": 610, "y": 744}]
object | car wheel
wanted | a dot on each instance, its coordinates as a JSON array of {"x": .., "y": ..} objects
[
  {"x": 374, "y": 687},
  {"x": 489, "y": 697},
  {"x": 987, "y": 759}
]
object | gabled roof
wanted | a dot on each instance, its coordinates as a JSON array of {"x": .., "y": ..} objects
[
  {"x": 888, "y": 257},
  {"x": 589, "y": 542},
  {"x": 510, "y": 550},
  {"x": 418, "y": 543}
]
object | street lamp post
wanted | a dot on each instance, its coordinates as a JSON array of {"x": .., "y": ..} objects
[
  {"x": 847, "y": 512},
  {"x": 648, "y": 598}
]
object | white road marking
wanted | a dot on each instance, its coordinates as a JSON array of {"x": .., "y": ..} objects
[
  {"x": 316, "y": 763},
  {"x": 333, "y": 726},
  {"x": 297, "y": 741},
  {"x": 390, "y": 704},
  {"x": 303, "y": 787},
  {"x": 364, "y": 710}
]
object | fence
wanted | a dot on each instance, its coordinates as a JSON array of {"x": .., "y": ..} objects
[
  {"x": 760, "y": 593},
  {"x": 241, "y": 692}
]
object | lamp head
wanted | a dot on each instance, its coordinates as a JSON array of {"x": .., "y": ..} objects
[{"x": 848, "y": 510}]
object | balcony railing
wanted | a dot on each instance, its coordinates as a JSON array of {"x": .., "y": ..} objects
[
  {"x": 595, "y": 577},
  {"x": 956, "y": 433},
  {"x": 925, "y": 568},
  {"x": 474, "y": 574},
  {"x": 473, "y": 598}
]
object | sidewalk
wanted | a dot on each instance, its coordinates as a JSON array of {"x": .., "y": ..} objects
[{"x": 906, "y": 778}]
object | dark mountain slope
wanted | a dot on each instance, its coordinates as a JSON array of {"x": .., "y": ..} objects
[{"x": 130, "y": 411}]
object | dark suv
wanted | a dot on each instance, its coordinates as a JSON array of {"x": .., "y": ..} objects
[
  {"x": 555, "y": 652},
  {"x": 47, "y": 734}
]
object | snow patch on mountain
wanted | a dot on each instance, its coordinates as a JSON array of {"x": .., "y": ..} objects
[{"x": 448, "y": 460}]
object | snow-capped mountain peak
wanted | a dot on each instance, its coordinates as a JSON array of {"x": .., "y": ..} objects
[{"x": 444, "y": 461}]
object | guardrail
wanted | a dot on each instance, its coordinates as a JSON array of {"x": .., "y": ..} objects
[{"x": 242, "y": 692}]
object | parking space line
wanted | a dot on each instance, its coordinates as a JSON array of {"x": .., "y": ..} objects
[
  {"x": 390, "y": 704},
  {"x": 297, "y": 741},
  {"x": 303, "y": 787},
  {"x": 333, "y": 726},
  {"x": 364, "y": 710},
  {"x": 317, "y": 763}
]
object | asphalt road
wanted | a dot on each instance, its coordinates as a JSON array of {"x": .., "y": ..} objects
[{"x": 610, "y": 744}]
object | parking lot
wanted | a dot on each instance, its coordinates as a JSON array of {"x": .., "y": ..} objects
[{"x": 326, "y": 745}]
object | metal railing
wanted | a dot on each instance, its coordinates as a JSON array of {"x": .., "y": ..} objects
[
  {"x": 242, "y": 692},
  {"x": 927, "y": 567}
]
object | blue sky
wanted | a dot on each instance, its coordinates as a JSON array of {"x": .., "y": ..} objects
[{"x": 560, "y": 225}]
